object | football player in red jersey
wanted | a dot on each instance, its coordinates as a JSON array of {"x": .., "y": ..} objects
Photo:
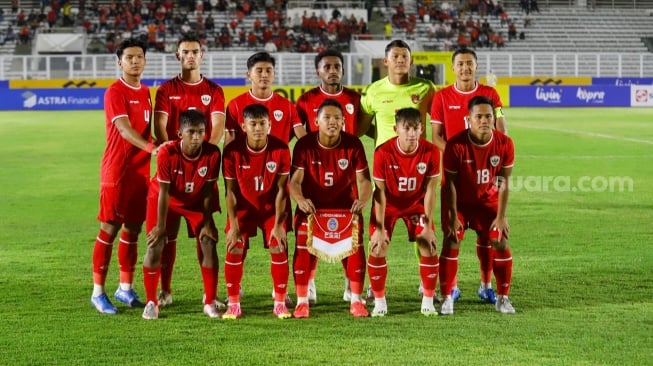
[
  {"x": 477, "y": 166},
  {"x": 188, "y": 90},
  {"x": 329, "y": 68},
  {"x": 330, "y": 171},
  {"x": 405, "y": 174},
  {"x": 449, "y": 117},
  {"x": 187, "y": 170},
  {"x": 124, "y": 176},
  {"x": 256, "y": 167},
  {"x": 284, "y": 119}
]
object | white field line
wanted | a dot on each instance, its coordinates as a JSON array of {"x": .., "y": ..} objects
[
  {"x": 585, "y": 133},
  {"x": 582, "y": 157}
]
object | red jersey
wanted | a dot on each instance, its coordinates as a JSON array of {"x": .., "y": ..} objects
[
  {"x": 187, "y": 177},
  {"x": 478, "y": 166},
  {"x": 122, "y": 159},
  {"x": 255, "y": 173},
  {"x": 405, "y": 174},
  {"x": 309, "y": 102},
  {"x": 330, "y": 173},
  {"x": 283, "y": 114},
  {"x": 449, "y": 107},
  {"x": 176, "y": 96}
]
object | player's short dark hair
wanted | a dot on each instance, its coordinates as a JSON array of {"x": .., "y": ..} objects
[
  {"x": 464, "y": 51},
  {"x": 256, "y": 111},
  {"x": 189, "y": 37},
  {"x": 326, "y": 53},
  {"x": 191, "y": 117},
  {"x": 130, "y": 42},
  {"x": 478, "y": 100},
  {"x": 330, "y": 102},
  {"x": 408, "y": 115},
  {"x": 397, "y": 43},
  {"x": 259, "y": 57}
]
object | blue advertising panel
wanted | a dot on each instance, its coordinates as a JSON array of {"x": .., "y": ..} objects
[
  {"x": 51, "y": 99},
  {"x": 622, "y": 81},
  {"x": 570, "y": 96}
]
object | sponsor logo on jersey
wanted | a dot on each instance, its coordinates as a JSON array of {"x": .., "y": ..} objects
[
  {"x": 278, "y": 115},
  {"x": 343, "y": 164},
  {"x": 454, "y": 107},
  {"x": 414, "y": 98},
  {"x": 349, "y": 108},
  {"x": 494, "y": 160},
  {"x": 202, "y": 171},
  {"x": 468, "y": 161},
  {"x": 174, "y": 97},
  {"x": 206, "y": 99},
  {"x": 271, "y": 166},
  {"x": 421, "y": 167}
]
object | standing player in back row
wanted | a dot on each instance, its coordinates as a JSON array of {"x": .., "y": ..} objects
[
  {"x": 381, "y": 99},
  {"x": 124, "y": 176},
  {"x": 477, "y": 166},
  {"x": 188, "y": 90},
  {"x": 406, "y": 168},
  {"x": 449, "y": 116},
  {"x": 328, "y": 66},
  {"x": 284, "y": 119}
]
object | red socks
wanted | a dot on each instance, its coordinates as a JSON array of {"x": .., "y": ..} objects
[
  {"x": 428, "y": 271},
  {"x": 280, "y": 273},
  {"x": 233, "y": 275},
  {"x": 377, "y": 268},
  {"x": 127, "y": 256},
  {"x": 503, "y": 270},
  {"x": 150, "y": 281},
  {"x": 448, "y": 269},
  {"x": 102, "y": 257}
]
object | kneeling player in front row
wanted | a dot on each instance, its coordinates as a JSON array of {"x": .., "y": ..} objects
[
  {"x": 405, "y": 175},
  {"x": 330, "y": 172},
  {"x": 477, "y": 166},
  {"x": 187, "y": 170},
  {"x": 256, "y": 168}
]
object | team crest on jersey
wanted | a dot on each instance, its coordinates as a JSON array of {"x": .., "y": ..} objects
[
  {"x": 494, "y": 160},
  {"x": 271, "y": 166},
  {"x": 278, "y": 115},
  {"x": 206, "y": 99},
  {"x": 349, "y": 108},
  {"x": 421, "y": 167},
  {"x": 343, "y": 163},
  {"x": 202, "y": 171},
  {"x": 414, "y": 98}
]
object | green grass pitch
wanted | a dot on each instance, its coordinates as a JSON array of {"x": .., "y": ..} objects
[{"x": 580, "y": 211}]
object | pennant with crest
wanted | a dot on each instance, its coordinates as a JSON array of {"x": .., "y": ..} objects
[{"x": 332, "y": 234}]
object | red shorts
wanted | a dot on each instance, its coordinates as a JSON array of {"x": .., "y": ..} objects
[
  {"x": 123, "y": 202},
  {"x": 475, "y": 217},
  {"x": 249, "y": 225},
  {"x": 414, "y": 224},
  {"x": 194, "y": 218}
]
